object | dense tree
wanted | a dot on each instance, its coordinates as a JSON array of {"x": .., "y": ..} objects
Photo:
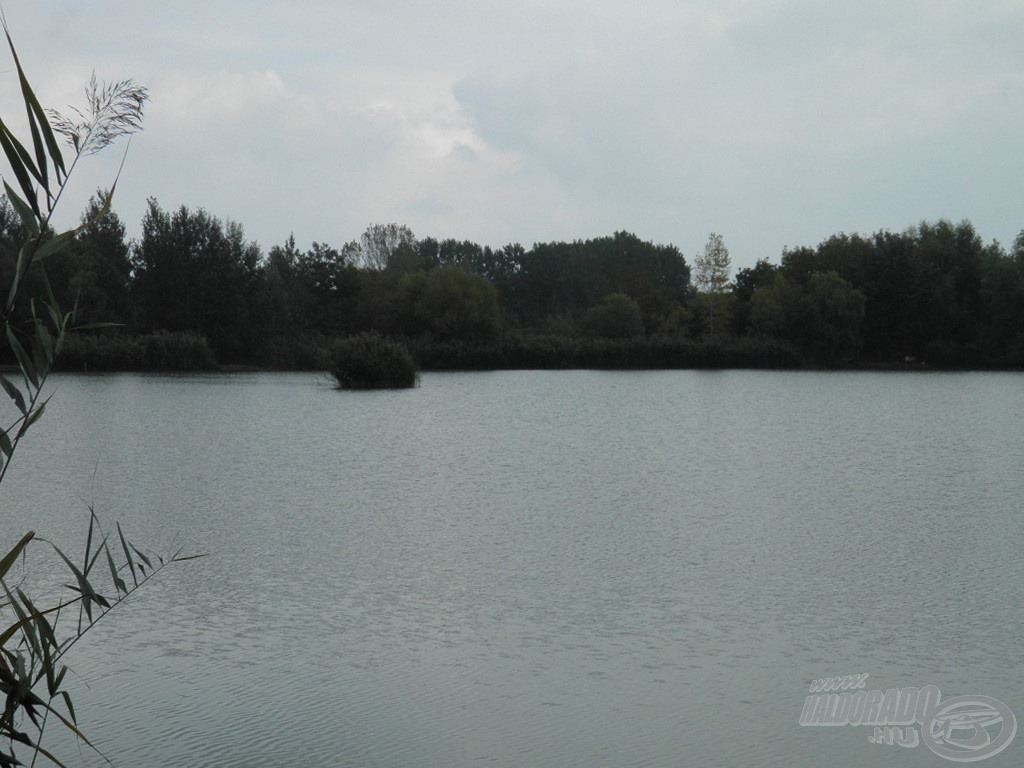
[
  {"x": 887, "y": 281},
  {"x": 798, "y": 264},
  {"x": 748, "y": 280},
  {"x": 921, "y": 287},
  {"x": 822, "y": 316},
  {"x": 558, "y": 280},
  {"x": 95, "y": 274},
  {"x": 428, "y": 251},
  {"x": 495, "y": 265},
  {"x": 283, "y": 302},
  {"x": 191, "y": 273},
  {"x": 331, "y": 281},
  {"x": 1001, "y": 335},
  {"x": 549, "y": 281},
  {"x": 464, "y": 254},
  {"x": 847, "y": 255},
  {"x": 503, "y": 265},
  {"x": 922, "y": 291},
  {"x": 828, "y": 318},
  {"x": 616, "y": 317},
  {"x": 947, "y": 297},
  {"x": 770, "y": 307},
  {"x": 655, "y": 276},
  {"x": 933, "y": 292},
  {"x": 303, "y": 293},
  {"x": 449, "y": 303}
]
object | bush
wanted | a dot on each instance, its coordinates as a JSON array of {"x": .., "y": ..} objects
[
  {"x": 455, "y": 355},
  {"x": 616, "y": 317},
  {"x": 161, "y": 351},
  {"x": 523, "y": 351},
  {"x": 369, "y": 361},
  {"x": 300, "y": 352}
]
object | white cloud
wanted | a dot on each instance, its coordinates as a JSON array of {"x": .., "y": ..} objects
[{"x": 772, "y": 121}]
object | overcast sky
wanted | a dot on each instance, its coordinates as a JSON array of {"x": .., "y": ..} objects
[{"x": 773, "y": 122}]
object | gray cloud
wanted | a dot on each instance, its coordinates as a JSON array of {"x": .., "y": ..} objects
[{"x": 776, "y": 123}]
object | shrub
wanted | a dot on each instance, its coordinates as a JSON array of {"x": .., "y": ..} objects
[
  {"x": 616, "y": 317},
  {"x": 161, "y": 351},
  {"x": 524, "y": 351},
  {"x": 183, "y": 351},
  {"x": 369, "y": 361},
  {"x": 299, "y": 352}
]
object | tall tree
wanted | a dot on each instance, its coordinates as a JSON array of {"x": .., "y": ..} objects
[
  {"x": 194, "y": 274},
  {"x": 101, "y": 257},
  {"x": 282, "y": 300},
  {"x": 711, "y": 273},
  {"x": 331, "y": 281},
  {"x": 384, "y": 245},
  {"x": 563, "y": 280},
  {"x": 1002, "y": 294},
  {"x": 748, "y": 280}
]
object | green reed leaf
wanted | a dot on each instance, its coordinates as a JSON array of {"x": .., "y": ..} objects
[
  {"x": 13, "y": 392},
  {"x": 11, "y": 557},
  {"x": 55, "y": 244},
  {"x": 28, "y": 370}
]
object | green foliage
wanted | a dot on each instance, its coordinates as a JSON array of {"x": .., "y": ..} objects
[
  {"x": 193, "y": 272},
  {"x": 769, "y": 307},
  {"x": 160, "y": 351},
  {"x": 530, "y": 351},
  {"x": 450, "y": 303},
  {"x": 35, "y": 637},
  {"x": 925, "y": 291},
  {"x": 554, "y": 279},
  {"x": 295, "y": 352},
  {"x": 747, "y": 281},
  {"x": 822, "y": 317},
  {"x": 1002, "y": 296},
  {"x": 369, "y": 361},
  {"x": 616, "y": 317},
  {"x": 457, "y": 355},
  {"x": 830, "y": 314},
  {"x": 95, "y": 273},
  {"x": 711, "y": 274},
  {"x": 933, "y": 292}
]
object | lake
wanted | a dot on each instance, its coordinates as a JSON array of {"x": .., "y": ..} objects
[{"x": 523, "y": 568}]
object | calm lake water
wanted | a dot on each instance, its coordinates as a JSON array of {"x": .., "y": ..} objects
[{"x": 535, "y": 568}]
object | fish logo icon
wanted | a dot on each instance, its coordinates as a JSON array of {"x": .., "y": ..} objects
[{"x": 969, "y": 728}]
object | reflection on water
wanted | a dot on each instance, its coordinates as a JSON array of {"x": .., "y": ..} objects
[{"x": 536, "y": 568}]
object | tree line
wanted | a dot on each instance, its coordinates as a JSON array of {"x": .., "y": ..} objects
[{"x": 192, "y": 286}]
